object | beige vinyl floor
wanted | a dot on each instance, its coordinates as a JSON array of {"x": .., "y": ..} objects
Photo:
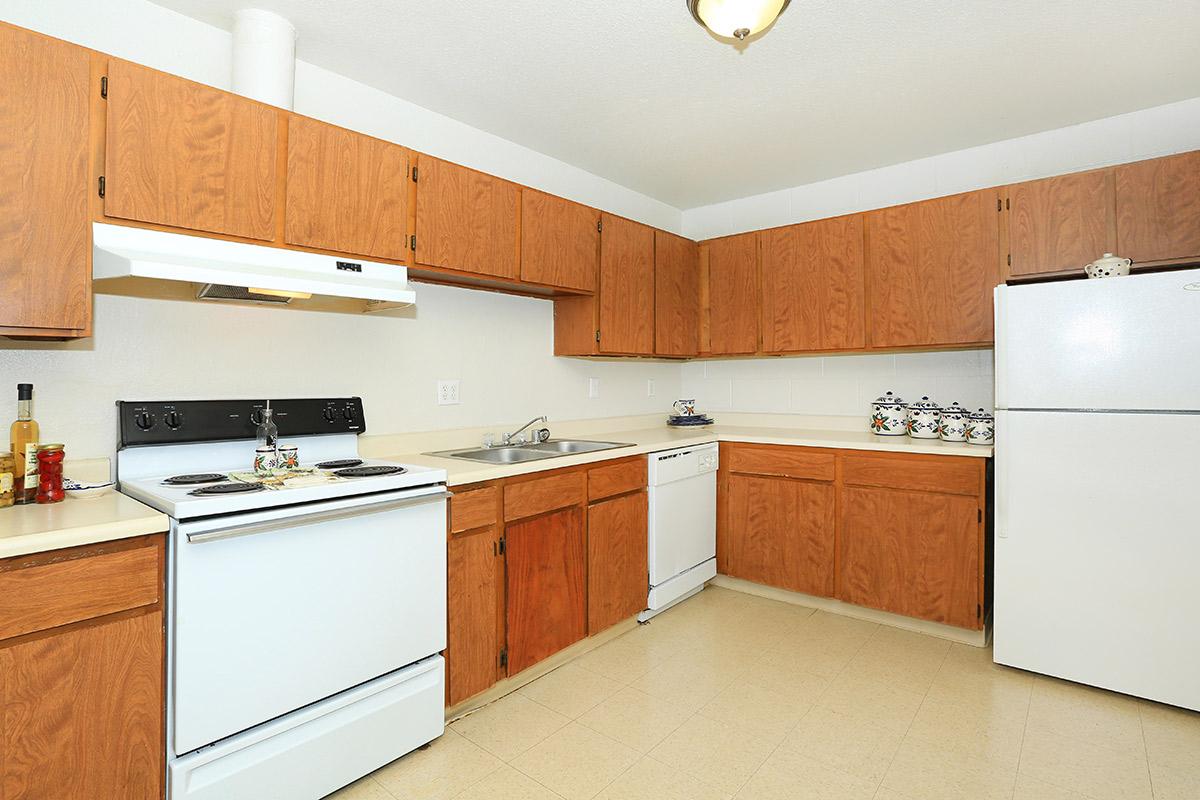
[{"x": 730, "y": 695}]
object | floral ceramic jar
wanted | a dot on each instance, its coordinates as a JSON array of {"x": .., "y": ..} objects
[
  {"x": 953, "y": 427},
  {"x": 981, "y": 428},
  {"x": 924, "y": 419},
  {"x": 888, "y": 415}
]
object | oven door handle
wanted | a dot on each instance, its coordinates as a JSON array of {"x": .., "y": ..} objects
[{"x": 233, "y": 531}]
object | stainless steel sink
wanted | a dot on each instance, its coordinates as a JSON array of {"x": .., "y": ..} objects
[{"x": 516, "y": 454}]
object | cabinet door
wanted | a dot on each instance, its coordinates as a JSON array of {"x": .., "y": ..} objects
[
  {"x": 618, "y": 562},
  {"x": 931, "y": 269},
  {"x": 780, "y": 532},
  {"x": 560, "y": 241},
  {"x": 81, "y": 712},
  {"x": 466, "y": 220},
  {"x": 189, "y": 156},
  {"x": 474, "y": 609},
  {"x": 1060, "y": 223},
  {"x": 345, "y": 191},
  {"x": 626, "y": 287},
  {"x": 733, "y": 294},
  {"x": 1158, "y": 208},
  {"x": 812, "y": 286},
  {"x": 912, "y": 553},
  {"x": 545, "y": 566},
  {"x": 676, "y": 295}
]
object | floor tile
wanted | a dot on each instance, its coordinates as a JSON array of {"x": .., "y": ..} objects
[
  {"x": 927, "y": 771},
  {"x": 785, "y": 675},
  {"x": 652, "y": 780},
  {"x": 623, "y": 660},
  {"x": 1082, "y": 766},
  {"x": 1173, "y": 746},
  {"x": 1033, "y": 789},
  {"x": 1084, "y": 713},
  {"x": 884, "y": 704},
  {"x": 449, "y": 765},
  {"x": 686, "y": 681},
  {"x": 507, "y": 783},
  {"x": 770, "y": 713},
  {"x": 509, "y": 726},
  {"x": 858, "y": 747},
  {"x": 901, "y": 658},
  {"x": 717, "y": 753},
  {"x": 975, "y": 728},
  {"x": 576, "y": 762},
  {"x": 364, "y": 789},
  {"x": 635, "y": 719},
  {"x": 787, "y": 775},
  {"x": 570, "y": 690},
  {"x": 969, "y": 672}
]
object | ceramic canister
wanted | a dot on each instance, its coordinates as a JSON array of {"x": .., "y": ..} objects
[
  {"x": 888, "y": 415},
  {"x": 1109, "y": 266},
  {"x": 289, "y": 456},
  {"x": 924, "y": 419},
  {"x": 265, "y": 459},
  {"x": 953, "y": 427},
  {"x": 981, "y": 428}
]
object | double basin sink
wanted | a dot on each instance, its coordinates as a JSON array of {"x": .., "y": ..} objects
[{"x": 517, "y": 454}]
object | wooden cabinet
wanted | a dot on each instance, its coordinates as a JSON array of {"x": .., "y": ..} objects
[
  {"x": 475, "y": 589},
  {"x": 1060, "y": 223},
  {"x": 626, "y": 307},
  {"x": 466, "y": 220},
  {"x": 45, "y": 245},
  {"x": 676, "y": 295},
  {"x": 931, "y": 269},
  {"x": 732, "y": 265},
  {"x": 813, "y": 286},
  {"x": 189, "y": 156},
  {"x": 81, "y": 685},
  {"x": 345, "y": 191},
  {"x": 618, "y": 577},
  {"x": 560, "y": 241},
  {"x": 1158, "y": 209}
]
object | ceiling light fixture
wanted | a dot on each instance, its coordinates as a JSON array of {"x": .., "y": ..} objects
[{"x": 736, "y": 19}]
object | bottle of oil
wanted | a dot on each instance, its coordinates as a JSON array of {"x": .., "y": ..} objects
[{"x": 24, "y": 438}]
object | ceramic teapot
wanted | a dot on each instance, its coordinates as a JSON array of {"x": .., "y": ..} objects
[{"x": 1109, "y": 266}]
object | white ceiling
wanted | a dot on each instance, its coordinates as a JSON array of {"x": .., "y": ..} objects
[{"x": 635, "y": 91}]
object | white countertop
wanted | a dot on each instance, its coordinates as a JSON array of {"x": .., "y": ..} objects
[{"x": 36, "y": 528}]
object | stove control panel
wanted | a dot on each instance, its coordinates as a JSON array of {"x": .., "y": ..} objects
[{"x": 178, "y": 421}]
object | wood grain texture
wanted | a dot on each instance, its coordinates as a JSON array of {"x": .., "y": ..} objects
[
  {"x": 345, "y": 191},
  {"x": 189, "y": 156},
  {"x": 537, "y": 496},
  {"x": 546, "y": 565},
  {"x": 474, "y": 508},
  {"x": 911, "y": 553},
  {"x": 560, "y": 242},
  {"x": 780, "y": 460},
  {"x": 626, "y": 313},
  {"x": 928, "y": 473},
  {"x": 609, "y": 479},
  {"x": 617, "y": 567},
  {"x": 466, "y": 220},
  {"x": 733, "y": 294},
  {"x": 81, "y": 713},
  {"x": 45, "y": 239},
  {"x": 44, "y": 596},
  {"x": 780, "y": 532},
  {"x": 1158, "y": 208},
  {"x": 676, "y": 295},
  {"x": 474, "y": 572},
  {"x": 813, "y": 286},
  {"x": 576, "y": 322},
  {"x": 1061, "y": 223},
  {"x": 931, "y": 269}
]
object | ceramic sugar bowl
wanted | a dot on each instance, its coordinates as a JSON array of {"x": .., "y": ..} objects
[
  {"x": 953, "y": 427},
  {"x": 981, "y": 428},
  {"x": 924, "y": 419},
  {"x": 1109, "y": 266},
  {"x": 888, "y": 415}
]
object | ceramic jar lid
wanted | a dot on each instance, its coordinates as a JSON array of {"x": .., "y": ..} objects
[
  {"x": 954, "y": 410},
  {"x": 924, "y": 404},
  {"x": 889, "y": 400},
  {"x": 981, "y": 416}
]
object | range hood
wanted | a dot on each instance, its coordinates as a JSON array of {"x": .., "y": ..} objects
[{"x": 236, "y": 271}]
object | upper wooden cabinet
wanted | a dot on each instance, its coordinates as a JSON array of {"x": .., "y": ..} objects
[
  {"x": 560, "y": 241},
  {"x": 1060, "y": 223},
  {"x": 812, "y": 286},
  {"x": 466, "y": 220},
  {"x": 931, "y": 269},
  {"x": 189, "y": 156},
  {"x": 732, "y": 293},
  {"x": 45, "y": 247},
  {"x": 345, "y": 191},
  {"x": 626, "y": 313},
  {"x": 1158, "y": 209},
  {"x": 676, "y": 295}
]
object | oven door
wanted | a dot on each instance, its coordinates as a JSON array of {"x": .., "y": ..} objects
[{"x": 273, "y": 610}]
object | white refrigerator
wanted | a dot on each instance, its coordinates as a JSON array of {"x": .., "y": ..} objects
[{"x": 1097, "y": 549}]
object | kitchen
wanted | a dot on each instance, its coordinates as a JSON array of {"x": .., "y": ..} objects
[{"x": 857, "y": 603}]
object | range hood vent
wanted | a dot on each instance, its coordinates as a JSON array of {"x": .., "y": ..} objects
[{"x": 241, "y": 272}]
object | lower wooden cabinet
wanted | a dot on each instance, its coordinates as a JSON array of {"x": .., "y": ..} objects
[
  {"x": 475, "y": 612},
  {"x": 618, "y": 562}
]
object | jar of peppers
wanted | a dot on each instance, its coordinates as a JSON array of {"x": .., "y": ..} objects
[{"x": 50, "y": 470}]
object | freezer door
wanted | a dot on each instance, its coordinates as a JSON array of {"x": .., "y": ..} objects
[
  {"x": 1097, "y": 549},
  {"x": 1117, "y": 343}
]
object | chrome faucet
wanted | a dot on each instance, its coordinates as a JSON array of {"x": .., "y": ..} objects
[{"x": 507, "y": 439}]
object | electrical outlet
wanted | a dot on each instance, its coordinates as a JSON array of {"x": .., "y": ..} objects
[
  {"x": 447, "y": 393},
  {"x": 650, "y": 387},
  {"x": 593, "y": 388}
]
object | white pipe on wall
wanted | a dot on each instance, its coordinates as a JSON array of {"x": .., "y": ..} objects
[{"x": 264, "y": 57}]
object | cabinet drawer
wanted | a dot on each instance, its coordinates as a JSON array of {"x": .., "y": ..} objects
[
  {"x": 619, "y": 478},
  {"x": 787, "y": 462},
  {"x": 473, "y": 508},
  {"x": 527, "y": 498},
  {"x": 921, "y": 473},
  {"x": 42, "y": 596}
]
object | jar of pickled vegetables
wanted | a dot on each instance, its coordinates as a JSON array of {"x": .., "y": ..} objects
[
  {"x": 50, "y": 470},
  {"x": 8, "y": 466}
]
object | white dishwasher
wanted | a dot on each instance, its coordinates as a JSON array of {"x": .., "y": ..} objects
[{"x": 683, "y": 524}]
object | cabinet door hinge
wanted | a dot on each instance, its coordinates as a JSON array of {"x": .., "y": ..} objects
[
  {"x": 979, "y": 516},
  {"x": 1010, "y": 259},
  {"x": 414, "y": 174},
  {"x": 1008, "y": 203},
  {"x": 999, "y": 204},
  {"x": 412, "y": 243},
  {"x": 500, "y": 546},
  {"x": 599, "y": 226},
  {"x": 104, "y": 87},
  {"x": 504, "y": 657},
  {"x": 102, "y": 186},
  {"x": 597, "y": 335},
  {"x": 978, "y": 611}
]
